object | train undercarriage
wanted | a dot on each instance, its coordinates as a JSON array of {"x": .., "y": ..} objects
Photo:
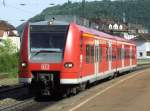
[{"x": 48, "y": 84}]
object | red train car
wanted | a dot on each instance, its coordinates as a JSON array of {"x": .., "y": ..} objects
[{"x": 66, "y": 56}]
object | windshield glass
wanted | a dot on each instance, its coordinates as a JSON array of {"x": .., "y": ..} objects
[
  {"x": 48, "y": 38},
  {"x": 47, "y": 41}
]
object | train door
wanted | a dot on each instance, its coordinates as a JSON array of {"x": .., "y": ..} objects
[
  {"x": 96, "y": 64},
  {"x": 133, "y": 55}
]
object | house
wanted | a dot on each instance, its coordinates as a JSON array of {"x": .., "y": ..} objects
[
  {"x": 108, "y": 25},
  {"x": 131, "y": 32},
  {"x": 7, "y": 31},
  {"x": 141, "y": 37},
  {"x": 143, "y": 46}
]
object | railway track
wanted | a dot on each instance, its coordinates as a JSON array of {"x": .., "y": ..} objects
[
  {"x": 12, "y": 96},
  {"x": 18, "y": 105},
  {"x": 32, "y": 104},
  {"x": 12, "y": 91},
  {"x": 7, "y": 88}
]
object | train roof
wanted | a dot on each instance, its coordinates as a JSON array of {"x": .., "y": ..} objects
[
  {"x": 50, "y": 23},
  {"x": 84, "y": 29},
  {"x": 102, "y": 34}
]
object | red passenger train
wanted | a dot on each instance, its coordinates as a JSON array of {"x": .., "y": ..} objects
[{"x": 57, "y": 56}]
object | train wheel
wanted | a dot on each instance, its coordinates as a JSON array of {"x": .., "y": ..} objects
[
  {"x": 116, "y": 74},
  {"x": 83, "y": 86},
  {"x": 111, "y": 77},
  {"x": 68, "y": 92},
  {"x": 74, "y": 90}
]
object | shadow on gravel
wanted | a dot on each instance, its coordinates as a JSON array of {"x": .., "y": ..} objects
[
  {"x": 14, "y": 92},
  {"x": 41, "y": 103},
  {"x": 48, "y": 99},
  {"x": 4, "y": 87}
]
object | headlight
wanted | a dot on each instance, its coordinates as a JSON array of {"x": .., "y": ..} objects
[
  {"x": 68, "y": 65},
  {"x": 24, "y": 64}
]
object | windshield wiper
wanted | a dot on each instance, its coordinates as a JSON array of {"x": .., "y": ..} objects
[{"x": 46, "y": 51}]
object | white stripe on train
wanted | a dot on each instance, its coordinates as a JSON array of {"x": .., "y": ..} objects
[
  {"x": 95, "y": 77},
  {"x": 91, "y": 78}
]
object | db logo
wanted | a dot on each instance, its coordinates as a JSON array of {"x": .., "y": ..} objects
[{"x": 45, "y": 66}]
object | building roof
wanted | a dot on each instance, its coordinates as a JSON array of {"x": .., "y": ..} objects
[
  {"x": 1, "y": 33},
  {"x": 103, "y": 21},
  {"x": 144, "y": 37},
  {"x": 6, "y": 26}
]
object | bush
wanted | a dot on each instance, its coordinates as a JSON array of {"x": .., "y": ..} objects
[{"x": 8, "y": 59}]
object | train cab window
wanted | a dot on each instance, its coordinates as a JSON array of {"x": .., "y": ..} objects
[
  {"x": 88, "y": 48},
  {"x": 48, "y": 37},
  {"x": 47, "y": 43}
]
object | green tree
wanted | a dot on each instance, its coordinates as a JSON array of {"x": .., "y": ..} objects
[
  {"x": 136, "y": 11},
  {"x": 8, "y": 58},
  {"x": 7, "y": 47}
]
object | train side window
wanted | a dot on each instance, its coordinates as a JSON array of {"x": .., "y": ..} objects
[
  {"x": 81, "y": 43},
  {"x": 134, "y": 53},
  {"x": 97, "y": 55},
  {"x": 122, "y": 53},
  {"x": 131, "y": 54},
  {"x": 88, "y": 53},
  {"x": 92, "y": 54},
  {"x": 100, "y": 53},
  {"x": 127, "y": 53},
  {"x": 119, "y": 53},
  {"x": 107, "y": 54},
  {"x": 113, "y": 53}
]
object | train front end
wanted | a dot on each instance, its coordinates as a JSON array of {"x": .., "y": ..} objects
[{"x": 41, "y": 56}]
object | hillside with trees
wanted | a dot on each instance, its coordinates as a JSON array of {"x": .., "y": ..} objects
[{"x": 136, "y": 11}]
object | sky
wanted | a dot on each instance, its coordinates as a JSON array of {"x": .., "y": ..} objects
[{"x": 13, "y": 12}]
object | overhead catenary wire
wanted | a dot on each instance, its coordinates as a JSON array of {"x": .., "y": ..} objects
[
  {"x": 7, "y": 5},
  {"x": 3, "y": 2},
  {"x": 23, "y": 10},
  {"x": 20, "y": 9}
]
